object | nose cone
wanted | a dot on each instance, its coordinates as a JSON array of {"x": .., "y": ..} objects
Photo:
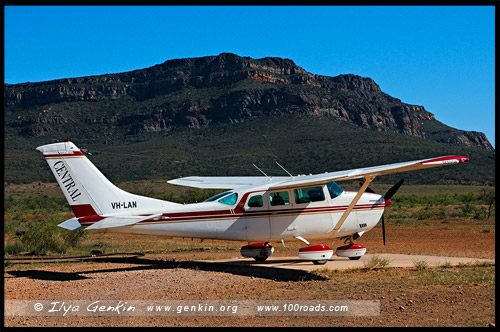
[
  {"x": 388, "y": 202},
  {"x": 464, "y": 159}
]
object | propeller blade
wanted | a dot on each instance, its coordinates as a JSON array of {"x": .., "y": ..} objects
[
  {"x": 368, "y": 189},
  {"x": 383, "y": 228},
  {"x": 387, "y": 196},
  {"x": 393, "y": 190}
]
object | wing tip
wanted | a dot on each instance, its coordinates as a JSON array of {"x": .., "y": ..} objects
[{"x": 446, "y": 160}]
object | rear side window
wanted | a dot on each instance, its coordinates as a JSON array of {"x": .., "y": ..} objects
[
  {"x": 255, "y": 201},
  {"x": 279, "y": 198},
  {"x": 308, "y": 195}
]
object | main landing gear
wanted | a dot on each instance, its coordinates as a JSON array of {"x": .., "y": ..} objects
[{"x": 319, "y": 254}]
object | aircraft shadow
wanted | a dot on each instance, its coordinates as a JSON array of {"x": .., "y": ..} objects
[
  {"x": 47, "y": 275},
  {"x": 248, "y": 270}
]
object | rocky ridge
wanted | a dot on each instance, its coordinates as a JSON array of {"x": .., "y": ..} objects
[{"x": 225, "y": 88}]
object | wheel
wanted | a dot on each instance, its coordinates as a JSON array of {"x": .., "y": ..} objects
[
  {"x": 260, "y": 258},
  {"x": 321, "y": 262},
  {"x": 355, "y": 258}
]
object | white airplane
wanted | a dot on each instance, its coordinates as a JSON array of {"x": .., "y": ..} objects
[{"x": 257, "y": 209}]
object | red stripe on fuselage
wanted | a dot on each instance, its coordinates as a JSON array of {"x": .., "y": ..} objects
[
  {"x": 222, "y": 214},
  {"x": 193, "y": 216}
]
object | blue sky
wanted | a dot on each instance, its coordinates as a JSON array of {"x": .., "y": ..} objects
[{"x": 440, "y": 57}]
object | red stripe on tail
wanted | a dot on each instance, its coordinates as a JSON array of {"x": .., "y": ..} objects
[
  {"x": 75, "y": 153},
  {"x": 83, "y": 210}
]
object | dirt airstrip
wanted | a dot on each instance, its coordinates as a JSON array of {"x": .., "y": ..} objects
[{"x": 415, "y": 296}]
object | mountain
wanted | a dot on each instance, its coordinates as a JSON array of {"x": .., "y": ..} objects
[{"x": 194, "y": 97}]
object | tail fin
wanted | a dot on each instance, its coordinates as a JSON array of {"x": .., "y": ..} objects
[{"x": 87, "y": 190}]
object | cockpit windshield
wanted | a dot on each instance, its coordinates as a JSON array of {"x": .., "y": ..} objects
[
  {"x": 216, "y": 197},
  {"x": 228, "y": 198},
  {"x": 334, "y": 189}
]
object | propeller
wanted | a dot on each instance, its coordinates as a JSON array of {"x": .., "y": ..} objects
[
  {"x": 393, "y": 190},
  {"x": 387, "y": 197}
]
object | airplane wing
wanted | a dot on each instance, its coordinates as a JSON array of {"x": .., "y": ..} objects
[
  {"x": 372, "y": 171},
  {"x": 282, "y": 182},
  {"x": 225, "y": 182}
]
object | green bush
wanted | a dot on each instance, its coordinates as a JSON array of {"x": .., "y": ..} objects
[
  {"x": 468, "y": 210},
  {"x": 40, "y": 237},
  {"x": 13, "y": 248}
]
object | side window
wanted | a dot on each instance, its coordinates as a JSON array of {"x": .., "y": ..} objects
[
  {"x": 229, "y": 200},
  {"x": 307, "y": 195},
  {"x": 255, "y": 201},
  {"x": 279, "y": 198},
  {"x": 334, "y": 189}
]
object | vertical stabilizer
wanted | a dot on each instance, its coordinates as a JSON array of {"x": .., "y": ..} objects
[{"x": 87, "y": 190}]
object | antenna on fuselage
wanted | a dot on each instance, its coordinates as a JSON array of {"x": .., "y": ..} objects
[
  {"x": 283, "y": 168},
  {"x": 261, "y": 171}
]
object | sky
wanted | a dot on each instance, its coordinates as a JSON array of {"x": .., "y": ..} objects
[{"x": 439, "y": 57}]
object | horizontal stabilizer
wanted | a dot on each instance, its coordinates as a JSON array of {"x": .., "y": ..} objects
[
  {"x": 71, "y": 224},
  {"x": 110, "y": 222}
]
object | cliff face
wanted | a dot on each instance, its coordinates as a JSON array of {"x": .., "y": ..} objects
[{"x": 225, "y": 88}]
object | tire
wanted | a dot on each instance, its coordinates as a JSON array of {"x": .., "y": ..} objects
[
  {"x": 260, "y": 258},
  {"x": 321, "y": 262},
  {"x": 355, "y": 258}
]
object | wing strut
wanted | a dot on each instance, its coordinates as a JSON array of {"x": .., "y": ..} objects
[{"x": 368, "y": 180}]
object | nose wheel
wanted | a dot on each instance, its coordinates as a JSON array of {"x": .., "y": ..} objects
[
  {"x": 319, "y": 254},
  {"x": 352, "y": 251}
]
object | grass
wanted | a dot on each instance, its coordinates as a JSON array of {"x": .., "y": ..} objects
[
  {"x": 475, "y": 274},
  {"x": 421, "y": 265},
  {"x": 376, "y": 262},
  {"x": 467, "y": 274},
  {"x": 446, "y": 265}
]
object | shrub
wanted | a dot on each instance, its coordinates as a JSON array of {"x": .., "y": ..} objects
[
  {"x": 42, "y": 236},
  {"x": 377, "y": 262},
  {"x": 421, "y": 265}
]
